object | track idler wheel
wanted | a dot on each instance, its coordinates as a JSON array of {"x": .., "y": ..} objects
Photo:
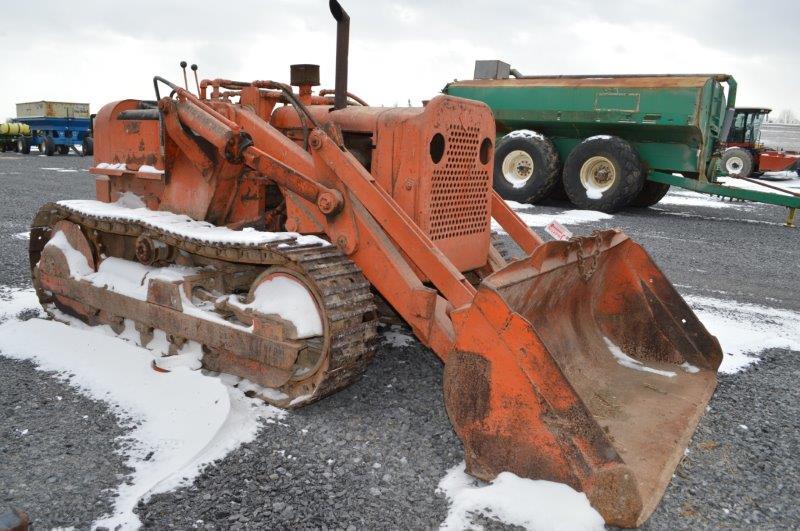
[{"x": 67, "y": 253}]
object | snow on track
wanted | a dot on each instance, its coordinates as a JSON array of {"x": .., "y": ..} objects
[{"x": 183, "y": 225}]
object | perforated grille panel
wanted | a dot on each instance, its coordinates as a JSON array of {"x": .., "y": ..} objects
[{"x": 459, "y": 187}]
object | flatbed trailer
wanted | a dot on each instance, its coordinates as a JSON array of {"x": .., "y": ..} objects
[
  {"x": 54, "y": 127},
  {"x": 55, "y": 135},
  {"x": 609, "y": 141}
]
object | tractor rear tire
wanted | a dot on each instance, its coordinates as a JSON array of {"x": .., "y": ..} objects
[
  {"x": 652, "y": 192},
  {"x": 48, "y": 146},
  {"x": 738, "y": 162},
  {"x": 24, "y": 146},
  {"x": 603, "y": 173},
  {"x": 526, "y": 167}
]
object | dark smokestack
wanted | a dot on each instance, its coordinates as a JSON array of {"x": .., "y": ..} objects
[{"x": 342, "y": 45}]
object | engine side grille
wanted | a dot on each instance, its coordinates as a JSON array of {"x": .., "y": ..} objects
[{"x": 459, "y": 187}]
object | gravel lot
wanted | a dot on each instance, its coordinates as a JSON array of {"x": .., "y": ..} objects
[{"x": 372, "y": 455}]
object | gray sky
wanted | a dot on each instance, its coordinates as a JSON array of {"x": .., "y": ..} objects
[{"x": 98, "y": 51}]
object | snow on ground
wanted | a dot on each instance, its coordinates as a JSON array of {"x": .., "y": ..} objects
[
  {"x": 185, "y": 419},
  {"x": 14, "y": 301},
  {"x": 680, "y": 197},
  {"x": 782, "y": 179},
  {"x": 567, "y": 217},
  {"x": 61, "y": 170},
  {"x": 532, "y": 504},
  {"x": 688, "y": 198},
  {"x": 744, "y": 330},
  {"x": 396, "y": 336},
  {"x": 181, "y": 420},
  {"x": 22, "y": 236}
]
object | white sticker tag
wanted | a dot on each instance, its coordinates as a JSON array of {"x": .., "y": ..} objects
[{"x": 558, "y": 231}]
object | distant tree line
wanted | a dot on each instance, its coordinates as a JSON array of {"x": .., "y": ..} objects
[{"x": 785, "y": 116}]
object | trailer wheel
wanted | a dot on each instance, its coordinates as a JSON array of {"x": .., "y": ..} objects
[
  {"x": 48, "y": 146},
  {"x": 652, "y": 192},
  {"x": 526, "y": 167},
  {"x": 603, "y": 173},
  {"x": 737, "y": 162},
  {"x": 23, "y": 146},
  {"x": 62, "y": 150},
  {"x": 87, "y": 146}
]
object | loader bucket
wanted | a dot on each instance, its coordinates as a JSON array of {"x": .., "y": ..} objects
[{"x": 581, "y": 364}]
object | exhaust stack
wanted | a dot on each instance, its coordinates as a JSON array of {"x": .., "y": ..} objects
[{"x": 342, "y": 50}]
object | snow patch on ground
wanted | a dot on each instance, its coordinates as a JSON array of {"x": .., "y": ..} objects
[
  {"x": 688, "y": 198},
  {"x": 532, "y": 504},
  {"x": 22, "y": 236},
  {"x": 567, "y": 217},
  {"x": 61, "y": 170},
  {"x": 744, "y": 329},
  {"x": 14, "y": 301},
  {"x": 181, "y": 420},
  {"x": 397, "y": 336},
  {"x": 784, "y": 179}
]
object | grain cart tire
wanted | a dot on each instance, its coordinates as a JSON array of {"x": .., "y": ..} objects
[
  {"x": 526, "y": 166},
  {"x": 652, "y": 192},
  {"x": 603, "y": 173},
  {"x": 48, "y": 146},
  {"x": 23, "y": 146},
  {"x": 737, "y": 162},
  {"x": 87, "y": 147}
]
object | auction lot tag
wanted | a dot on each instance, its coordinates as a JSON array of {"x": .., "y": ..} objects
[{"x": 558, "y": 231}]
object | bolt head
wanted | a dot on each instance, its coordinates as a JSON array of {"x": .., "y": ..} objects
[{"x": 326, "y": 203}]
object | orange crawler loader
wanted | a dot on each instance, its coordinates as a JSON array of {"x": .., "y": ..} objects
[{"x": 259, "y": 224}]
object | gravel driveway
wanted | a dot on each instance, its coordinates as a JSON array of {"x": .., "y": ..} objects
[{"x": 372, "y": 456}]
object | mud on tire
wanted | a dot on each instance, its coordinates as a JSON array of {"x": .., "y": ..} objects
[
  {"x": 526, "y": 167},
  {"x": 603, "y": 173}
]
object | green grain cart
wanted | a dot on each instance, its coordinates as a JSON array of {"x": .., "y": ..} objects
[{"x": 607, "y": 141}]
